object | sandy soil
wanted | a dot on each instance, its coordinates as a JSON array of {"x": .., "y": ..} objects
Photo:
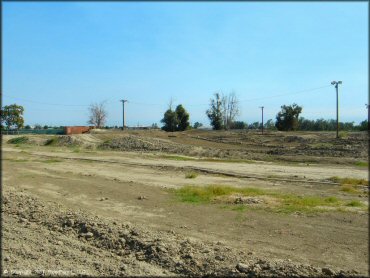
[{"x": 131, "y": 189}]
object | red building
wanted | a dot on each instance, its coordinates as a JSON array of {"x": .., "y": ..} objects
[{"x": 68, "y": 130}]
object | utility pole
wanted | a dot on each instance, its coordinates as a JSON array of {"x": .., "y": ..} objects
[
  {"x": 123, "y": 113},
  {"x": 336, "y": 83},
  {"x": 262, "y": 117}
]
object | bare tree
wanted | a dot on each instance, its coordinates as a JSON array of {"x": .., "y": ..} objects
[
  {"x": 97, "y": 114},
  {"x": 230, "y": 106},
  {"x": 223, "y": 110}
]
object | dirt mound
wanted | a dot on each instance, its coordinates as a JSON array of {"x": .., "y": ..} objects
[
  {"x": 41, "y": 235},
  {"x": 71, "y": 141},
  {"x": 27, "y": 140},
  {"x": 137, "y": 143}
]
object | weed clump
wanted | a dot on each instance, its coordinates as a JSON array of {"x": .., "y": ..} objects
[
  {"x": 191, "y": 175},
  {"x": 349, "y": 181},
  {"x": 19, "y": 140},
  {"x": 51, "y": 142}
]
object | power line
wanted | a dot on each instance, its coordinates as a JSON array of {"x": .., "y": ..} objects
[{"x": 157, "y": 104}]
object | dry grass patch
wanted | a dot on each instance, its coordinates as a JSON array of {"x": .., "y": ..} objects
[{"x": 351, "y": 185}]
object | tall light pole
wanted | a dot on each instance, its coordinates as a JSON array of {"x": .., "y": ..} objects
[
  {"x": 262, "y": 117},
  {"x": 123, "y": 113},
  {"x": 336, "y": 83}
]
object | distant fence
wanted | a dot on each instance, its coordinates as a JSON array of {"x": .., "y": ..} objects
[{"x": 33, "y": 131}]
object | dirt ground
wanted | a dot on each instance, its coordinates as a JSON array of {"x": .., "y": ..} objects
[{"x": 103, "y": 204}]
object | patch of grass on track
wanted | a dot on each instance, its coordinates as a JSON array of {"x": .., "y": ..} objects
[
  {"x": 362, "y": 164},
  {"x": 177, "y": 157},
  {"x": 350, "y": 185},
  {"x": 349, "y": 181},
  {"x": 355, "y": 203},
  {"x": 51, "y": 142},
  {"x": 19, "y": 140},
  {"x": 191, "y": 175},
  {"x": 227, "y": 160},
  {"x": 283, "y": 203},
  {"x": 51, "y": 160},
  {"x": 187, "y": 158},
  {"x": 206, "y": 194}
]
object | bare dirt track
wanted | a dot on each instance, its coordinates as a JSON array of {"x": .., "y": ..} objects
[{"x": 103, "y": 204}]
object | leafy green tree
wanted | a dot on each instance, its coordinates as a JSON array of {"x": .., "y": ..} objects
[
  {"x": 197, "y": 125},
  {"x": 270, "y": 125},
  {"x": 255, "y": 125},
  {"x": 12, "y": 116},
  {"x": 46, "y": 127},
  {"x": 215, "y": 112},
  {"x": 364, "y": 125},
  {"x": 287, "y": 118},
  {"x": 27, "y": 127},
  {"x": 170, "y": 120},
  {"x": 238, "y": 125},
  {"x": 182, "y": 118}
]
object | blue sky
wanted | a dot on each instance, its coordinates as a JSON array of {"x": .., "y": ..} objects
[{"x": 73, "y": 54}]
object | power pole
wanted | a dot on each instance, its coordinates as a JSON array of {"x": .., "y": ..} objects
[
  {"x": 262, "y": 117},
  {"x": 336, "y": 83},
  {"x": 123, "y": 113}
]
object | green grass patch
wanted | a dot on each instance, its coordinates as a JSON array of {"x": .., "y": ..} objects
[
  {"x": 354, "y": 203},
  {"x": 349, "y": 189},
  {"x": 51, "y": 161},
  {"x": 362, "y": 164},
  {"x": 16, "y": 160},
  {"x": 282, "y": 203},
  {"x": 343, "y": 134},
  {"x": 226, "y": 160},
  {"x": 191, "y": 175},
  {"x": 19, "y": 140},
  {"x": 349, "y": 181},
  {"x": 206, "y": 194},
  {"x": 293, "y": 203},
  {"x": 177, "y": 157},
  {"x": 322, "y": 145},
  {"x": 51, "y": 142}
]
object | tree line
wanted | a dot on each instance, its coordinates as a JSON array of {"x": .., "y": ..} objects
[
  {"x": 222, "y": 113},
  {"x": 223, "y": 110}
]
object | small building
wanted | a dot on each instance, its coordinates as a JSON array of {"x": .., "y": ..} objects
[{"x": 68, "y": 130}]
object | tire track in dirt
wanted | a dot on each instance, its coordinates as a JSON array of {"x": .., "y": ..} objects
[{"x": 192, "y": 168}]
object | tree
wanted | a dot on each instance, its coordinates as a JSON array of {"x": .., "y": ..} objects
[
  {"x": 46, "y": 127},
  {"x": 287, "y": 118},
  {"x": 170, "y": 120},
  {"x": 269, "y": 125},
  {"x": 27, "y": 127},
  {"x": 223, "y": 110},
  {"x": 255, "y": 125},
  {"x": 230, "y": 109},
  {"x": 197, "y": 125},
  {"x": 215, "y": 113},
  {"x": 97, "y": 114},
  {"x": 364, "y": 125},
  {"x": 238, "y": 125},
  {"x": 175, "y": 120},
  {"x": 182, "y": 118},
  {"x": 12, "y": 116}
]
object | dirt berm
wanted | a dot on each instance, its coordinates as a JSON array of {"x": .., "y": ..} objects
[{"x": 47, "y": 239}]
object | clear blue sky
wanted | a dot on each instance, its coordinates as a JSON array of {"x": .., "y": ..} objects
[{"x": 147, "y": 52}]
